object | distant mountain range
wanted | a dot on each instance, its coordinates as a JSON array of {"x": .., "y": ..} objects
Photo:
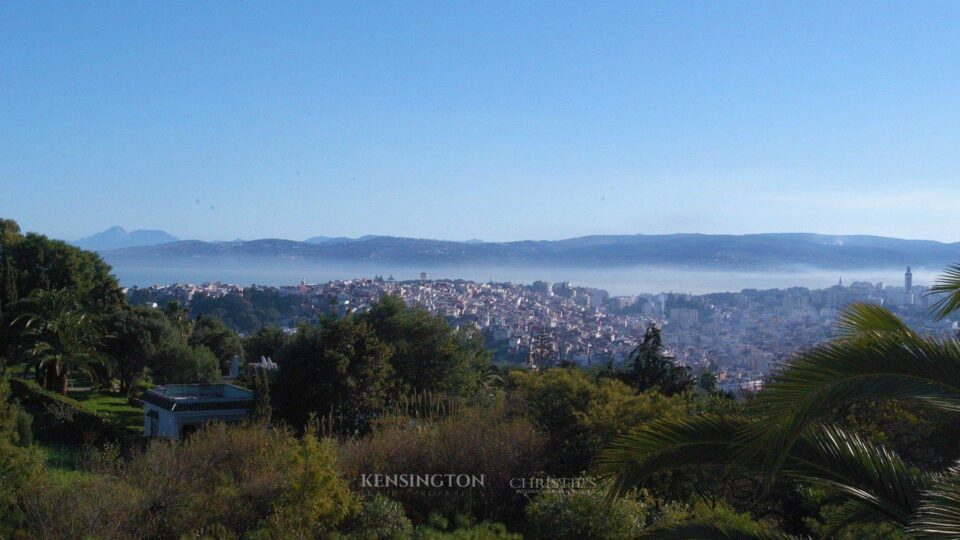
[
  {"x": 752, "y": 251},
  {"x": 118, "y": 237}
]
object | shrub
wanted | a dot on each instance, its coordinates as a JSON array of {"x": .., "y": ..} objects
[
  {"x": 380, "y": 518},
  {"x": 315, "y": 498},
  {"x": 240, "y": 478},
  {"x": 474, "y": 442},
  {"x": 19, "y": 465},
  {"x": 480, "y": 531},
  {"x": 719, "y": 515},
  {"x": 24, "y": 428},
  {"x": 572, "y": 516},
  {"x": 93, "y": 507},
  {"x": 224, "y": 481}
]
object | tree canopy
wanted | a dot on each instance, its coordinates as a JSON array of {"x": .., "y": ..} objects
[
  {"x": 137, "y": 334},
  {"x": 428, "y": 353},
  {"x": 212, "y": 333},
  {"x": 338, "y": 370}
]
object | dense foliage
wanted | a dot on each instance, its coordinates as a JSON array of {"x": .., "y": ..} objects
[
  {"x": 354, "y": 369},
  {"x": 581, "y": 415},
  {"x": 573, "y": 516},
  {"x": 245, "y": 311},
  {"x": 264, "y": 343},
  {"x": 221, "y": 481},
  {"x": 338, "y": 369},
  {"x": 19, "y": 463},
  {"x": 791, "y": 430},
  {"x": 479, "y": 442},
  {"x": 212, "y": 334},
  {"x": 428, "y": 355},
  {"x": 651, "y": 369}
]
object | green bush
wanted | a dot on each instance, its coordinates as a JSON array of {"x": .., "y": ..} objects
[
  {"x": 24, "y": 428},
  {"x": 19, "y": 465},
  {"x": 89, "y": 507},
  {"x": 223, "y": 482},
  {"x": 718, "y": 516},
  {"x": 480, "y": 531},
  {"x": 380, "y": 518},
  {"x": 578, "y": 515}
]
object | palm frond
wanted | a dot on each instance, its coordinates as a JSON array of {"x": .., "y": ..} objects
[
  {"x": 668, "y": 444},
  {"x": 823, "y": 456},
  {"x": 885, "y": 366},
  {"x": 862, "y": 318},
  {"x": 879, "y": 366},
  {"x": 947, "y": 284},
  {"x": 846, "y": 464},
  {"x": 850, "y": 513},
  {"x": 939, "y": 513}
]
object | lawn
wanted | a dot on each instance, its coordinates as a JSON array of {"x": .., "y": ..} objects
[
  {"x": 101, "y": 401},
  {"x": 113, "y": 405}
]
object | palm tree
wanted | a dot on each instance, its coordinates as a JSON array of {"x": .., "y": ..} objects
[
  {"x": 787, "y": 431},
  {"x": 61, "y": 337}
]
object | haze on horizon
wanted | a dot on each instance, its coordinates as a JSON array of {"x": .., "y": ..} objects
[{"x": 495, "y": 121}]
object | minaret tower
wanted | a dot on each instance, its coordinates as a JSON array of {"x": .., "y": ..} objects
[{"x": 908, "y": 281}]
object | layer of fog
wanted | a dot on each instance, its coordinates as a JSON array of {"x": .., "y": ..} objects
[{"x": 616, "y": 280}]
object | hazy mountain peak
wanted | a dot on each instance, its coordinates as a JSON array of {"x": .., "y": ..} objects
[{"x": 117, "y": 237}]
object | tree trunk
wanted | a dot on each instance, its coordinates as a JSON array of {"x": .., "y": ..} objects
[
  {"x": 63, "y": 379},
  {"x": 46, "y": 379}
]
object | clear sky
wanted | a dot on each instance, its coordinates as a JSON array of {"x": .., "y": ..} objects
[{"x": 491, "y": 120}]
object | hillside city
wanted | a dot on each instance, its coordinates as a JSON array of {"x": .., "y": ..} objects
[{"x": 739, "y": 336}]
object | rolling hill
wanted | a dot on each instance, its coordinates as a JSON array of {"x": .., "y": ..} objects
[{"x": 755, "y": 251}]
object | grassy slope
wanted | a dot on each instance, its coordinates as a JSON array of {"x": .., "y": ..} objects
[
  {"x": 113, "y": 405},
  {"x": 101, "y": 401}
]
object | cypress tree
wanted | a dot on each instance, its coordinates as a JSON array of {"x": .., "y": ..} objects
[
  {"x": 9, "y": 291},
  {"x": 652, "y": 368},
  {"x": 261, "y": 385}
]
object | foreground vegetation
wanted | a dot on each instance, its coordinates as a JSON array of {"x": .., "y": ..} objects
[{"x": 819, "y": 423}]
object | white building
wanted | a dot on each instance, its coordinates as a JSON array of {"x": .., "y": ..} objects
[{"x": 177, "y": 409}]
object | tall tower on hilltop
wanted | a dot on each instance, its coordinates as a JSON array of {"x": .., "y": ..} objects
[{"x": 908, "y": 281}]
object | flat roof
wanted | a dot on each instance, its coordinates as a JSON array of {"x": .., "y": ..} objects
[{"x": 202, "y": 396}]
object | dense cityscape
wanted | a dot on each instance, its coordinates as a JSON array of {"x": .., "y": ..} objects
[{"x": 739, "y": 336}]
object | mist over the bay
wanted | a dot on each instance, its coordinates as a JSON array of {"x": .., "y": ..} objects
[{"x": 618, "y": 281}]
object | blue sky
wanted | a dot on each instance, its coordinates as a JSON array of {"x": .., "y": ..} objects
[{"x": 487, "y": 120}]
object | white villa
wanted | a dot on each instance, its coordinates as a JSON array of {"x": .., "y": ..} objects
[{"x": 174, "y": 410}]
